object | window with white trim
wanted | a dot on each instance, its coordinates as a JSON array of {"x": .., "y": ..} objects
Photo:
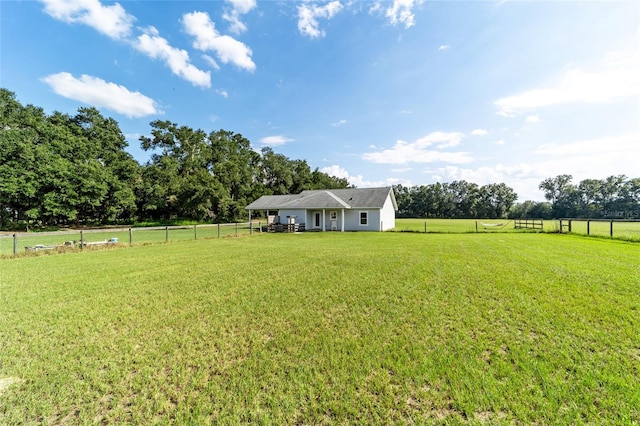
[
  {"x": 333, "y": 215},
  {"x": 364, "y": 218}
]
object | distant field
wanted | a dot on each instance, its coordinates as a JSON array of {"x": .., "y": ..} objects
[
  {"x": 464, "y": 225},
  {"x": 626, "y": 230},
  {"x": 138, "y": 236},
  {"x": 364, "y": 328}
]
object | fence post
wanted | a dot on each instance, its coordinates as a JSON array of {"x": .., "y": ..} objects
[
  {"x": 195, "y": 232},
  {"x": 260, "y": 226},
  {"x": 611, "y": 228},
  {"x": 588, "y": 227},
  {"x": 166, "y": 234},
  {"x": 130, "y": 236},
  {"x": 236, "y": 229},
  {"x": 569, "y": 225},
  {"x": 425, "y": 226},
  {"x": 15, "y": 244},
  {"x": 476, "y": 226},
  {"x": 218, "y": 230},
  {"x": 81, "y": 241},
  {"x": 250, "y": 228}
]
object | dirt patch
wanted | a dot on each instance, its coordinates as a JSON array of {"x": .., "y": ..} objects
[{"x": 8, "y": 381}]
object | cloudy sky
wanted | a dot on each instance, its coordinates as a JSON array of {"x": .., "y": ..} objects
[{"x": 379, "y": 92}]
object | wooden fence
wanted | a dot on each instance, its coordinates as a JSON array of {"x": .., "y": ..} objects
[
  {"x": 528, "y": 224},
  {"x": 13, "y": 243},
  {"x": 619, "y": 228}
]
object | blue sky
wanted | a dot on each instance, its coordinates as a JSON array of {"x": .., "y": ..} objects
[{"x": 380, "y": 92}]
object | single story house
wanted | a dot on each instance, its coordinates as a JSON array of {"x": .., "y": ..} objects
[{"x": 356, "y": 209}]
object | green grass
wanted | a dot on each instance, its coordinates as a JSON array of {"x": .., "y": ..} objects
[{"x": 365, "y": 328}]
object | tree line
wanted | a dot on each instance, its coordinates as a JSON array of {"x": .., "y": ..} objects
[
  {"x": 616, "y": 197},
  {"x": 457, "y": 199},
  {"x": 613, "y": 197},
  {"x": 58, "y": 170}
]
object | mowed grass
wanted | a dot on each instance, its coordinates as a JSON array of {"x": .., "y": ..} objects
[{"x": 323, "y": 328}]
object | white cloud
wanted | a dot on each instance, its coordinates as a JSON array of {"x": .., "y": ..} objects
[
  {"x": 275, "y": 140},
  {"x": 532, "y": 119},
  {"x": 112, "y": 20},
  {"x": 583, "y": 159},
  {"x": 222, "y": 93},
  {"x": 498, "y": 142},
  {"x": 444, "y": 47},
  {"x": 479, "y": 132},
  {"x": 101, "y": 94},
  {"x": 157, "y": 47},
  {"x": 359, "y": 180},
  {"x": 401, "y": 12},
  {"x": 308, "y": 16},
  {"x": 207, "y": 38},
  {"x": 212, "y": 62},
  {"x": 115, "y": 22},
  {"x": 616, "y": 78},
  {"x": 339, "y": 123},
  {"x": 421, "y": 150},
  {"x": 619, "y": 144},
  {"x": 239, "y": 7}
]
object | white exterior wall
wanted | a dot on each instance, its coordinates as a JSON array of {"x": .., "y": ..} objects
[
  {"x": 388, "y": 215},
  {"x": 377, "y": 218},
  {"x": 352, "y": 220},
  {"x": 300, "y": 218}
]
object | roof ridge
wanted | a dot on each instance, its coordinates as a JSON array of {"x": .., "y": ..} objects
[{"x": 338, "y": 199}]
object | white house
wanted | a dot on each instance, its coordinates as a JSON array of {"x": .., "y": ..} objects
[{"x": 357, "y": 209}]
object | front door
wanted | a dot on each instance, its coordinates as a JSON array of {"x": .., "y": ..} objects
[{"x": 316, "y": 219}]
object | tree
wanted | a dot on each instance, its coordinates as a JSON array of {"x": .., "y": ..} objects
[
  {"x": 321, "y": 180},
  {"x": 20, "y": 157},
  {"x": 562, "y": 195},
  {"x": 497, "y": 200},
  {"x": 531, "y": 210},
  {"x": 234, "y": 166},
  {"x": 186, "y": 187}
]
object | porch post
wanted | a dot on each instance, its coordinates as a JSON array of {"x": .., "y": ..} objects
[
  {"x": 342, "y": 227},
  {"x": 323, "y": 226}
]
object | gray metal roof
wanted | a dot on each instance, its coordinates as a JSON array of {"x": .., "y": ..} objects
[{"x": 327, "y": 199}]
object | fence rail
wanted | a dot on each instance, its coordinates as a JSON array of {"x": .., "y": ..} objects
[
  {"x": 619, "y": 228},
  {"x": 528, "y": 224},
  {"x": 14, "y": 243}
]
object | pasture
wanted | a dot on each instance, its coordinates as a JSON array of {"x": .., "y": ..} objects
[
  {"x": 322, "y": 328},
  {"x": 133, "y": 236},
  {"x": 465, "y": 225}
]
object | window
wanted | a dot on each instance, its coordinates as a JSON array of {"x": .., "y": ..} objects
[
  {"x": 363, "y": 218},
  {"x": 333, "y": 215}
]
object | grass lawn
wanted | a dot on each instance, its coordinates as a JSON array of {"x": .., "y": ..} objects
[{"x": 365, "y": 328}]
